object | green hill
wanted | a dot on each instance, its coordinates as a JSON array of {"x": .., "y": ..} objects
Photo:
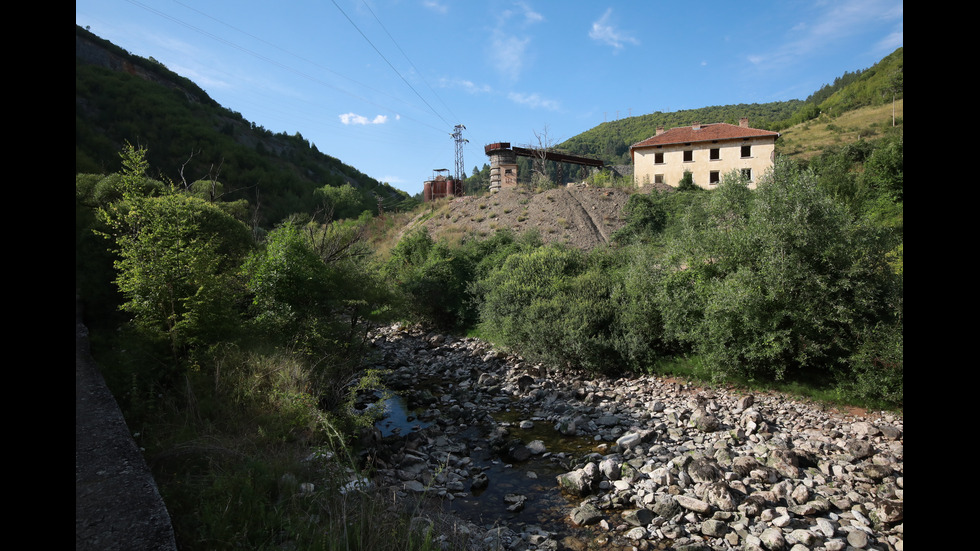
[
  {"x": 123, "y": 98},
  {"x": 869, "y": 90},
  {"x": 610, "y": 141}
]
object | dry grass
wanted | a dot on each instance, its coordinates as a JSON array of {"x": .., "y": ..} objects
[{"x": 808, "y": 139}]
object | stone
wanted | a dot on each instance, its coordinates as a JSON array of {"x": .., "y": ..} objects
[
  {"x": 692, "y": 504},
  {"x": 772, "y": 539},
  {"x": 774, "y": 466},
  {"x": 714, "y": 528},
  {"x": 889, "y": 511},
  {"x": 515, "y": 502},
  {"x": 577, "y": 482},
  {"x": 480, "y": 482},
  {"x": 638, "y": 517},
  {"x": 720, "y": 496},
  {"x": 637, "y": 533},
  {"x": 857, "y": 539},
  {"x": 536, "y": 447},
  {"x": 629, "y": 440},
  {"x": 414, "y": 486},
  {"x": 585, "y": 515}
]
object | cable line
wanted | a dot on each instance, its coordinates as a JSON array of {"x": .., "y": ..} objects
[
  {"x": 281, "y": 65},
  {"x": 393, "y": 41},
  {"x": 389, "y": 64}
]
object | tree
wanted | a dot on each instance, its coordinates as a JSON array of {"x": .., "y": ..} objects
[
  {"x": 540, "y": 179},
  {"x": 338, "y": 202},
  {"x": 777, "y": 281},
  {"x": 687, "y": 182},
  {"x": 178, "y": 257}
]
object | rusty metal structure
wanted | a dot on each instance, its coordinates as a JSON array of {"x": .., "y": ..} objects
[
  {"x": 441, "y": 186},
  {"x": 503, "y": 162}
]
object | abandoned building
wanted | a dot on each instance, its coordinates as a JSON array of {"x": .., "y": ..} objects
[
  {"x": 503, "y": 162},
  {"x": 707, "y": 151}
]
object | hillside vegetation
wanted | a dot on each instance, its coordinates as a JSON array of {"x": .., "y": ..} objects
[
  {"x": 232, "y": 323},
  {"x": 122, "y": 98},
  {"x": 875, "y": 87}
]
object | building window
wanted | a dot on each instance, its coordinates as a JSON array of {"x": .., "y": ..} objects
[
  {"x": 747, "y": 174},
  {"x": 658, "y": 178},
  {"x": 658, "y": 158},
  {"x": 746, "y": 151},
  {"x": 715, "y": 154},
  {"x": 714, "y": 177},
  {"x": 688, "y": 155}
]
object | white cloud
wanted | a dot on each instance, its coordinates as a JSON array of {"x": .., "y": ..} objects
[
  {"x": 604, "y": 31},
  {"x": 534, "y": 101},
  {"x": 837, "y": 21},
  {"x": 467, "y": 86},
  {"x": 892, "y": 41},
  {"x": 354, "y": 118},
  {"x": 435, "y": 6},
  {"x": 530, "y": 16},
  {"x": 508, "y": 50},
  {"x": 508, "y": 54}
]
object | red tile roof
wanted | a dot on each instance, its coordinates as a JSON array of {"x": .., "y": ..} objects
[{"x": 706, "y": 132}]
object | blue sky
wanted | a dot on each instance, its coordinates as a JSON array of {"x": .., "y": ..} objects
[{"x": 380, "y": 84}]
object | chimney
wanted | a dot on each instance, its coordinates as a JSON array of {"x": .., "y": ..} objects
[
  {"x": 696, "y": 126},
  {"x": 743, "y": 122},
  {"x": 660, "y": 130}
]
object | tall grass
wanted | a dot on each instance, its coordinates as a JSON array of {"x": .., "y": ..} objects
[{"x": 245, "y": 459}]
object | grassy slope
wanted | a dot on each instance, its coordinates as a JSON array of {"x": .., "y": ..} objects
[{"x": 808, "y": 139}]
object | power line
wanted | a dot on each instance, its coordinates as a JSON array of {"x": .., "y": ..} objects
[
  {"x": 281, "y": 65},
  {"x": 389, "y": 64},
  {"x": 393, "y": 41}
]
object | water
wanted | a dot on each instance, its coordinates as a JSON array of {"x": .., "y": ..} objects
[
  {"x": 534, "y": 479},
  {"x": 397, "y": 419}
]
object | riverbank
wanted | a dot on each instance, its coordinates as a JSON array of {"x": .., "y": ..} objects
[{"x": 532, "y": 458}]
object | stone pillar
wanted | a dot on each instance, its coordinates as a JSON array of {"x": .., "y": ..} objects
[{"x": 503, "y": 170}]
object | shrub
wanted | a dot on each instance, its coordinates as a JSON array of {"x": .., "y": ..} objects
[
  {"x": 552, "y": 304},
  {"x": 775, "y": 282},
  {"x": 876, "y": 368}
]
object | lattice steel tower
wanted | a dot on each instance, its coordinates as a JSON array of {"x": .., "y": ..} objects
[{"x": 460, "y": 167}]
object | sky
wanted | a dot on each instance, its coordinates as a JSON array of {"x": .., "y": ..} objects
[{"x": 382, "y": 84}]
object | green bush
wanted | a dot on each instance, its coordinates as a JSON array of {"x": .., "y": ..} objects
[
  {"x": 553, "y": 305},
  {"x": 432, "y": 279},
  {"x": 876, "y": 373},
  {"x": 775, "y": 282}
]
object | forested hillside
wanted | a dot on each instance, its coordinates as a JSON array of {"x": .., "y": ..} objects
[
  {"x": 876, "y": 85},
  {"x": 122, "y": 98},
  {"x": 610, "y": 141}
]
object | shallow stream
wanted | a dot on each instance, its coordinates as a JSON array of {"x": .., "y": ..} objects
[{"x": 545, "y": 506}]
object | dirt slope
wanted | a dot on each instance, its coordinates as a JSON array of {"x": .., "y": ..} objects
[{"x": 579, "y": 216}]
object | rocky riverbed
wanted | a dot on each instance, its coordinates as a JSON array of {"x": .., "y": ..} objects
[{"x": 524, "y": 457}]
